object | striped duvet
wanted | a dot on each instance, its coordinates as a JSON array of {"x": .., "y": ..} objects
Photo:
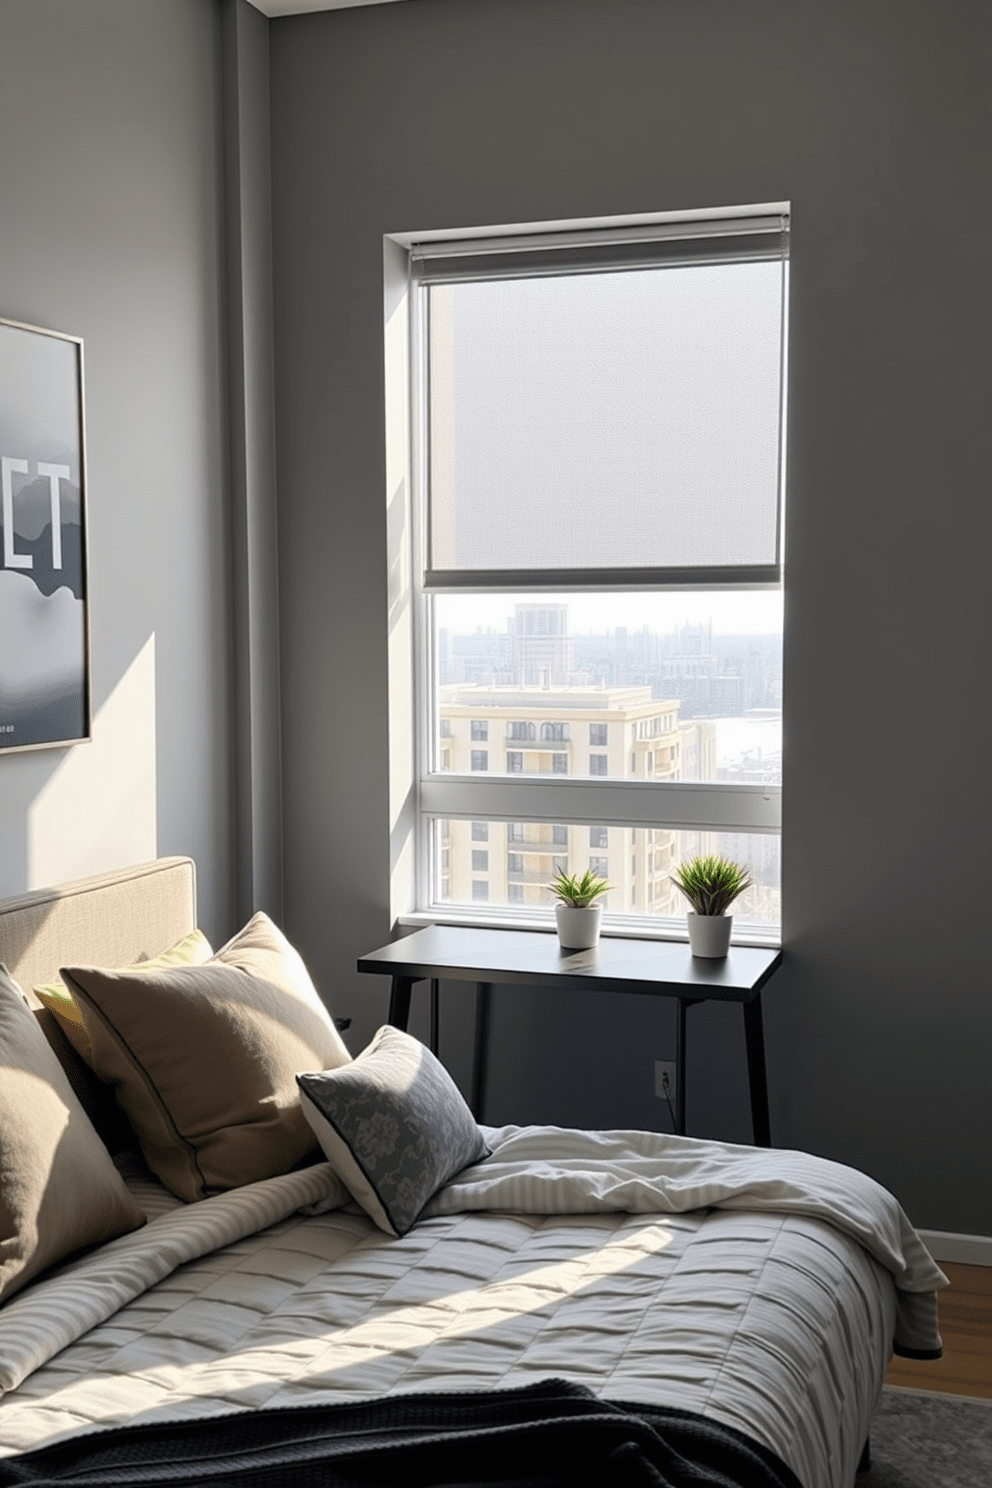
[{"x": 762, "y": 1289}]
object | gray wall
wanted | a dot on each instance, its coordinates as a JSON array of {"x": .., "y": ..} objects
[
  {"x": 872, "y": 119},
  {"x": 110, "y": 228}
]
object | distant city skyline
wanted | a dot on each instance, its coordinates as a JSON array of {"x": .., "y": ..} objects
[
  {"x": 711, "y": 674},
  {"x": 743, "y": 612}
]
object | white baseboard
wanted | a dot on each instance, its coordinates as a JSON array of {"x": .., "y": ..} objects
[{"x": 969, "y": 1250}]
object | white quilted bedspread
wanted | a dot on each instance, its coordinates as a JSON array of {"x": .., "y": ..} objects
[{"x": 752, "y": 1287}]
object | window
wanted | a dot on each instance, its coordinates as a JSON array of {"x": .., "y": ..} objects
[
  {"x": 480, "y": 861},
  {"x": 480, "y": 889},
  {"x": 559, "y": 865},
  {"x": 514, "y": 862},
  {"x": 515, "y": 893},
  {"x": 479, "y": 729},
  {"x": 444, "y": 728},
  {"x": 633, "y": 375},
  {"x": 515, "y": 832},
  {"x": 598, "y": 865},
  {"x": 559, "y": 836},
  {"x": 480, "y": 831}
]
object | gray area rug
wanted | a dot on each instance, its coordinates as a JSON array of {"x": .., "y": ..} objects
[{"x": 923, "y": 1440}]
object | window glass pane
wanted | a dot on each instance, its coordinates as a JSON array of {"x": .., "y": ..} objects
[
  {"x": 480, "y": 861},
  {"x": 653, "y": 394},
  {"x": 684, "y": 686},
  {"x": 638, "y": 863},
  {"x": 480, "y": 831}
]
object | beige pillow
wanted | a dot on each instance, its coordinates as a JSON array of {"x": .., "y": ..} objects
[
  {"x": 192, "y": 950},
  {"x": 204, "y": 1058},
  {"x": 59, "y": 1189}
]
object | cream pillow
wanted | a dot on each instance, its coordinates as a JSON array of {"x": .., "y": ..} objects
[
  {"x": 59, "y": 1189},
  {"x": 203, "y": 1059},
  {"x": 192, "y": 950}
]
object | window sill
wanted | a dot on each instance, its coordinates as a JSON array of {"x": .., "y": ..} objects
[{"x": 637, "y": 930}]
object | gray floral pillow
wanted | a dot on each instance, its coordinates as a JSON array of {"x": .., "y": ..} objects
[{"x": 393, "y": 1126}]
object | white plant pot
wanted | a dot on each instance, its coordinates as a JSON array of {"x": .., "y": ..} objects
[
  {"x": 709, "y": 935},
  {"x": 578, "y": 929}
]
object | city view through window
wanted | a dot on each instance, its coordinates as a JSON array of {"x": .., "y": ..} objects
[{"x": 659, "y": 687}]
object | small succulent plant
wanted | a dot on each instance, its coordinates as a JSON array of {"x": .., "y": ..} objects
[
  {"x": 711, "y": 884},
  {"x": 577, "y": 892}
]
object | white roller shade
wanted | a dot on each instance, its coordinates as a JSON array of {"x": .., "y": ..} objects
[{"x": 617, "y": 412}]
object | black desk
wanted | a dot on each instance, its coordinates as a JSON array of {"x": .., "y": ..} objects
[{"x": 657, "y": 968}]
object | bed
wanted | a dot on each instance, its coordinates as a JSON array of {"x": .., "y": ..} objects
[{"x": 275, "y": 1299}]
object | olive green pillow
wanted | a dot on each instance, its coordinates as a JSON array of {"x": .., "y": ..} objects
[
  {"x": 203, "y": 1059},
  {"x": 59, "y": 1189}
]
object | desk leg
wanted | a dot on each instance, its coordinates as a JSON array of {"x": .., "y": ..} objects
[
  {"x": 757, "y": 1077},
  {"x": 435, "y": 1016},
  {"x": 680, "y": 1010},
  {"x": 399, "y": 1002},
  {"x": 480, "y": 1064}
]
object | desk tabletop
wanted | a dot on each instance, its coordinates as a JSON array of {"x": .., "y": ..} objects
[{"x": 534, "y": 958}]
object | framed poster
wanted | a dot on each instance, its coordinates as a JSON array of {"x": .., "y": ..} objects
[{"x": 44, "y": 623}]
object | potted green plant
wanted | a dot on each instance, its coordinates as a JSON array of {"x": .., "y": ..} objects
[
  {"x": 578, "y": 912},
  {"x": 711, "y": 884}
]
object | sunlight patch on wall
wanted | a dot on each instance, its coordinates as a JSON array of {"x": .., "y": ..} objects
[{"x": 98, "y": 811}]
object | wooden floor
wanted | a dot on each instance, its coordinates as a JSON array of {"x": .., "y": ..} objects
[{"x": 966, "y": 1328}]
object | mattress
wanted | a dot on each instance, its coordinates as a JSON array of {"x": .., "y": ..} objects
[{"x": 762, "y": 1290}]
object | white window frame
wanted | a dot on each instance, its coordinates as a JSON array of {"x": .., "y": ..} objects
[{"x": 578, "y": 801}]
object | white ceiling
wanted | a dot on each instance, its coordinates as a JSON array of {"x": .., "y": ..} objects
[{"x": 299, "y": 7}]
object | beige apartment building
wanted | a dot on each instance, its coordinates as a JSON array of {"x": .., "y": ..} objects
[{"x": 606, "y": 732}]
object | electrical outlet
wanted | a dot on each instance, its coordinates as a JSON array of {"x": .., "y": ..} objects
[{"x": 663, "y": 1067}]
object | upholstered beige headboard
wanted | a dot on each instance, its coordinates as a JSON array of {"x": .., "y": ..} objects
[{"x": 113, "y": 920}]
